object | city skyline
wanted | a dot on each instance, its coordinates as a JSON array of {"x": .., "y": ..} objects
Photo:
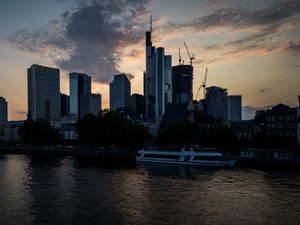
[{"x": 250, "y": 47}]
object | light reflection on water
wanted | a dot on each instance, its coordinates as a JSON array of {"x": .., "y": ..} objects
[{"x": 66, "y": 190}]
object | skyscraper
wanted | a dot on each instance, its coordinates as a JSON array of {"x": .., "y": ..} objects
[
  {"x": 43, "y": 93},
  {"x": 217, "y": 102},
  {"x": 119, "y": 93},
  {"x": 64, "y": 105},
  {"x": 234, "y": 107},
  {"x": 80, "y": 84},
  {"x": 157, "y": 82},
  {"x": 90, "y": 104},
  {"x": 3, "y": 111},
  {"x": 182, "y": 84}
]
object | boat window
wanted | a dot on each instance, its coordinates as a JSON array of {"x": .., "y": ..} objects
[
  {"x": 161, "y": 156},
  {"x": 207, "y": 158}
]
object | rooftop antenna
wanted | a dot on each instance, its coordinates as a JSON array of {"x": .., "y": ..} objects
[{"x": 150, "y": 23}]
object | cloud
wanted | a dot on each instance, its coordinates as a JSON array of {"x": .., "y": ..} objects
[
  {"x": 293, "y": 48},
  {"x": 250, "y": 32},
  {"x": 90, "y": 38}
]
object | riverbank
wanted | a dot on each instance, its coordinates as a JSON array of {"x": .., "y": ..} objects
[{"x": 116, "y": 154}]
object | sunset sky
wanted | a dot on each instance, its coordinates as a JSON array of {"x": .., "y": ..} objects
[{"x": 251, "y": 47}]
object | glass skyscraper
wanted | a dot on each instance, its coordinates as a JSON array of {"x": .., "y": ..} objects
[
  {"x": 43, "y": 93},
  {"x": 3, "y": 111},
  {"x": 80, "y": 84},
  {"x": 119, "y": 93}
]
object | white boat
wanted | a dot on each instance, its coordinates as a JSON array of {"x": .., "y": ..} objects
[{"x": 183, "y": 157}]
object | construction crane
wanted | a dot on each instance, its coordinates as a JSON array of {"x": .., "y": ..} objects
[
  {"x": 203, "y": 85},
  {"x": 192, "y": 57},
  {"x": 179, "y": 56}
]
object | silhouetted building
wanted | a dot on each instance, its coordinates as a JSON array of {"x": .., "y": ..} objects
[
  {"x": 91, "y": 104},
  {"x": 157, "y": 81},
  {"x": 80, "y": 84},
  {"x": 64, "y": 105},
  {"x": 217, "y": 102},
  {"x": 234, "y": 107},
  {"x": 138, "y": 105},
  {"x": 243, "y": 130},
  {"x": 298, "y": 123},
  {"x": 119, "y": 93},
  {"x": 3, "y": 111},
  {"x": 182, "y": 84},
  {"x": 11, "y": 131},
  {"x": 43, "y": 93},
  {"x": 279, "y": 126}
]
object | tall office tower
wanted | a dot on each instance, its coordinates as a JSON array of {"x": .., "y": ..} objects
[
  {"x": 157, "y": 82},
  {"x": 298, "y": 123},
  {"x": 80, "y": 84},
  {"x": 150, "y": 75},
  {"x": 138, "y": 105},
  {"x": 91, "y": 104},
  {"x": 119, "y": 93},
  {"x": 182, "y": 84},
  {"x": 234, "y": 107},
  {"x": 3, "y": 111},
  {"x": 64, "y": 105},
  {"x": 217, "y": 102},
  {"x": 43, "y": 93},
  {"x": 168, "y": 80}
]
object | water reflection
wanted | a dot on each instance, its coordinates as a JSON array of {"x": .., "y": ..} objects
[{"x": 67, "y": 190}]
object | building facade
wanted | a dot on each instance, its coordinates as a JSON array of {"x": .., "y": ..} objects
[
  {"x": 80, "y": 84},
  {"x": 3, "y": 111},
  {"x": 217, "y": 102},
  {"x": 119, "y": 93},
  {"x": 298, "y": 123},
  {"x": 157, "y": 80},
  {"x": 64, "y": 105},
  {"x": 234, "y": 107},
  {"x": 91, "y": 104},
  {"x": 138, "y": 105},
  {"x": 182, "y": 84},
  {"x": 43, "y": 93}
]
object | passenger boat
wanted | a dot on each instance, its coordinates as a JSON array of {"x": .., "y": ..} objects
[{"x": 184, "y": 157}]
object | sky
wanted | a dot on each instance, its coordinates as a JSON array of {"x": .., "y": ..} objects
[{"x": 251, "y": 47}]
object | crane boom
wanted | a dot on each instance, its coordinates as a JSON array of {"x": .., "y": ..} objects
[
  {"x": 203, "y": 85},
  {"x": 192, "y": 57}
]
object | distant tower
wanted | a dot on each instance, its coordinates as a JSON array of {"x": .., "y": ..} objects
[
  {"x": 182, "y": 79},
  {"x": 64, "y": 105},
  {"x": 43, "y": 93},
  {"x": 3, "y": 111},
  {"x": 217, "y": 102},
  {"x": 80, "y": 84},
  {"x": 157, "y": 82},
  {"x": 234, "y": 107},
  {"x": 90, "y": 104},
  {"x": 119, "y": 93}
]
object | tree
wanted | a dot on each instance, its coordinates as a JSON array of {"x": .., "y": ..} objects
[{"x": 38, "y": 133}]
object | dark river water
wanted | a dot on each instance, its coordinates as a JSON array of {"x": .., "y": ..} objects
[{"x": 67, "y": 190}]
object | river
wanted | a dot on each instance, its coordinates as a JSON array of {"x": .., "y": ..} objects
[{"x": 70, "y": 190}]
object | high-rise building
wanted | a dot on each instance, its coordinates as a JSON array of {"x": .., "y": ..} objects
[
  {"x": 3, "y": 111},
  {"x": 138, "y": 105},
  {"x": 157, "y": 81},
  {"x": 64, "y": 105},
  {"x": 80, "y": 84},
  {"x": 43, "y": 93},
  {"x": 91, "y": 104},
  {"x": 298, "y": 123},
  {"x": 217, "y": 102},
  {"x": 234, "y": 107},
  {"x": 119, "y": 93},
  {"x": 182, "y": 79}
]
